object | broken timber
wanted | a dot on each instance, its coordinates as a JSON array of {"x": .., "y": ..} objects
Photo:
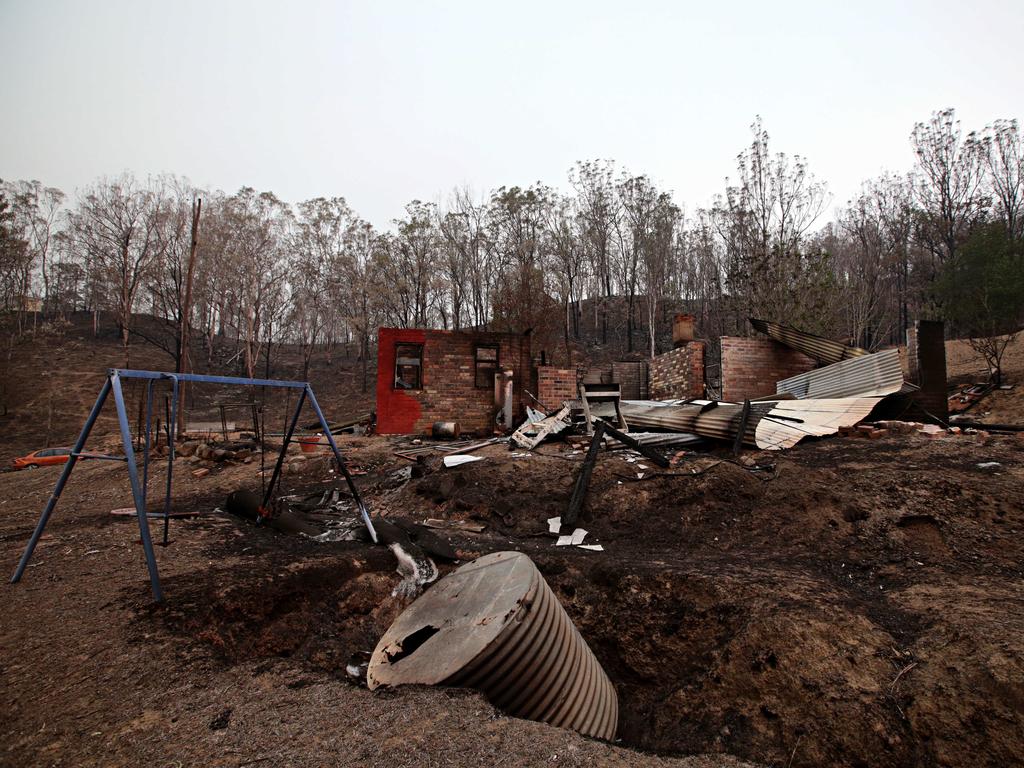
[
  {"x": 737, "y": 445},
  {"x": 635, "y": 444},
  {"x": 531, "y": 434},
  {"x": 579, "y": 492}
]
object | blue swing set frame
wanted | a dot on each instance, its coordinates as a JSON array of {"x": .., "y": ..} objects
[{"x": 139, "y": 488}]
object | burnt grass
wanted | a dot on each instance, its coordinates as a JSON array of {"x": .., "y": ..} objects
[{"x": 860, "y": 603}]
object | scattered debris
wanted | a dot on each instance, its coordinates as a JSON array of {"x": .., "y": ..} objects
[
  {"x": 573, "y": 539},
  {"x": 637, "y": 445},
  {"x": 130, "y": 512},
  {"x": 445, "y": 429},
  {"x": 455, "y": 525},
  {"x": 532, "y": 433},
  {"x": 459, "y": 460},
  {"x": 967, "y": 397}
]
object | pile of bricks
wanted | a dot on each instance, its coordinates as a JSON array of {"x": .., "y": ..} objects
[
  {"x": 679, "y": 374},
  {"x": 751, "y": 367}
]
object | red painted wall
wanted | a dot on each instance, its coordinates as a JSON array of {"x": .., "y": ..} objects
[
  {"x": 398, "y": 410},
  {"x": 449, "y": 391}
]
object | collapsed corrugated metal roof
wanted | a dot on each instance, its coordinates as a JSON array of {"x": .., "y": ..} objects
[
  {"x": 792, "y": 420},
  {"x": 821, "y": 349},
  {"x": 872, "y": 375},
  {"x": 770, "y": 426},
  {"x": 705, "y": 418}
]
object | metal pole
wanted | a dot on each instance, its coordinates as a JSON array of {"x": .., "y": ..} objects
[
  {"x": 284, "y": 447},
  {"x": 70, "y": 465},
  {"x": 341, "y": 463},
  {"x": 145, "y": 445},
  {"x": 133, "y": 475},
  {"x": 172, "y": 432}
]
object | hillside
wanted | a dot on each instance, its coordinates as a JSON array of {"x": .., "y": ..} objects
[{"x": 54, "y": 376}]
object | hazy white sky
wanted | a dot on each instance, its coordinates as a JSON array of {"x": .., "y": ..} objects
[{"x": 384, "y": 102}]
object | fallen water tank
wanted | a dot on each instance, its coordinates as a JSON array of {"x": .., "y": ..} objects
[{"x": 495, "y": 625}]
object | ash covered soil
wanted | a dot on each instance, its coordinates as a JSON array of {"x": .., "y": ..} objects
[{"x": 861, "y": 604}]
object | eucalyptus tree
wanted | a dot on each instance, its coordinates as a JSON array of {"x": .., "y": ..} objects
[
  {"x": 566, "y": 264},
  {"x": 1002, "y": 158},
  {"x": 638, "y": 198},
  {"x": 948, "y": 184},
  {"x": 764, "y": 218},
  {"x": 256, "y": 226},
  {"x": 37, "y": 218},
  {"x": 873, "y": 262},
  {"x": 516, "y": 225},
  {"x": 599, "y": 211},
  {"x": 115, "y": 224},
  {"x": 316, "y": 261}
]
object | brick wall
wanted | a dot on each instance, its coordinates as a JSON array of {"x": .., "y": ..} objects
[
  {"x": 926, "y": 361},
  {"x": 750, "y": 367},
  {"x": 449, "y": 391},
  {"x": 631, "y": 376},
  {"x": 679, "y": 374},
  {"x": 555, "y": 385}
]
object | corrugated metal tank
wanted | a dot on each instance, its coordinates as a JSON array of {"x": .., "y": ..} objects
[{"x": 495, "y": 625}]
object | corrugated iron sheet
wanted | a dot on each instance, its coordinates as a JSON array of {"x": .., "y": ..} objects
[
  {"x": 873, "y": 375},
  {"x": 770, "y": 426},
  {"x": 821, "y": 349},
  {"x": 792, "y": 420},
  {"x": 720, "y": 421},
  {"x": 666, "y": 439}
]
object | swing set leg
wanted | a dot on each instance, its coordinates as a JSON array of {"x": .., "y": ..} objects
[
  {"x": 284, "y": 448},
  {"x": 137, "y": 492},
  {"x": 173, "y": 432},
  {"x": 64, "y": 475}
]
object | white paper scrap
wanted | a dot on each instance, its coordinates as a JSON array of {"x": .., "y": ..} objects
[
  {"x": 639, "y": 475},
  {"x": 592, "y": 547},
  {"x": 454, "y": 461},
  {"x": 554, "y": 524},
  {"x": 573, "y": 539}
]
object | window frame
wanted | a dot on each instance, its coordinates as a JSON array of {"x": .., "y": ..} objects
[
  {"x": 495, "y": 364},
  {"x": 418, "y": 346}
]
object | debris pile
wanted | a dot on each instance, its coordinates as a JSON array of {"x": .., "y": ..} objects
[{"x": 830, "y": 399}]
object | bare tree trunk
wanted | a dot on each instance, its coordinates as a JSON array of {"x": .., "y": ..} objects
[{"x": 185, "y": 334}]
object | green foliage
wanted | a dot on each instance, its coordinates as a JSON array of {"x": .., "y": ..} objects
[{"x": 982, "y": 289}]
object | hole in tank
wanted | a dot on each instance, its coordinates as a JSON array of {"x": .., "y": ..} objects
[{"x": 412, "y": 642}]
